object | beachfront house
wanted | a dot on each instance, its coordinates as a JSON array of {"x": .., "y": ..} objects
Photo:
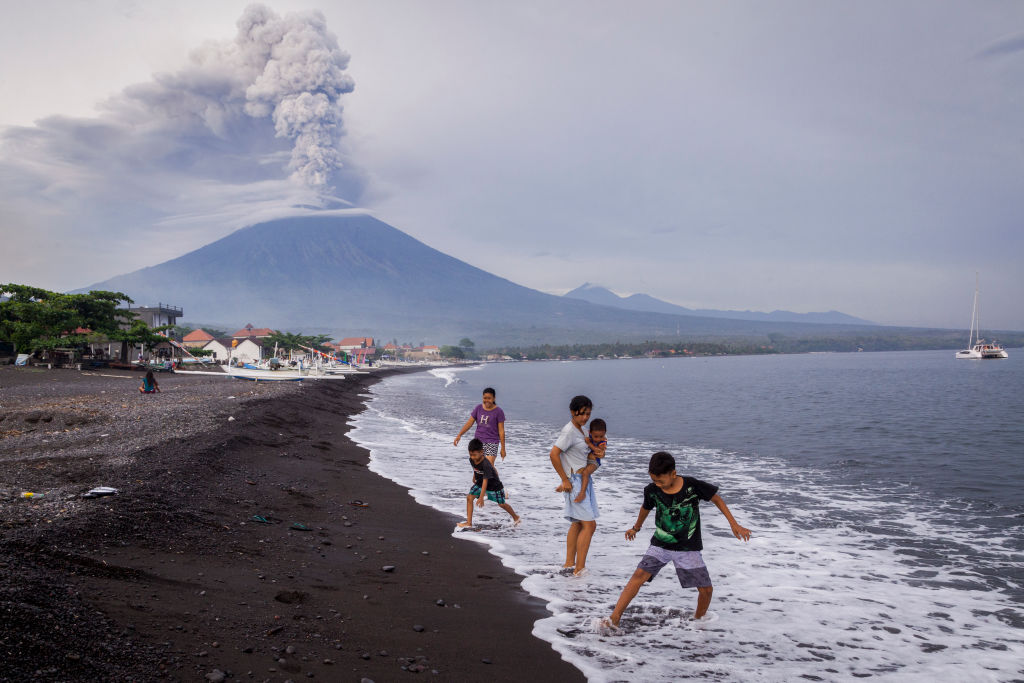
[
  {"x": 250, "y": 332},
  {"x": 424, "y": 353},
  {"x": 154, "y": 316},
  {"x": 159, "y": 315},
  {"x": 354, "y": 344},
  {"x": 221, "y": 348},
  {"x": 197, "y": 339},
  {"x": 247, "y": 350}
]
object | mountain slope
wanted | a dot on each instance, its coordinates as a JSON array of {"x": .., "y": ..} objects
[
  {"x": 354, "y": 274},
  {"x": 643, "y": 302}
]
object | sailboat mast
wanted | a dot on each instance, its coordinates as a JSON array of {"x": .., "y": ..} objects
[{"x": 977, "y": 318}]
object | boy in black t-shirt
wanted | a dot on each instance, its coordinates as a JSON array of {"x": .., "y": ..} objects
[
  {"x": 676, "y": 535},
  {"x": 485, "y": 483}
]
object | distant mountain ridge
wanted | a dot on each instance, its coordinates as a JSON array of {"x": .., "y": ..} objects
[
  {"x": 349, "y": 275},
  {"x": 643, "y": 302}
]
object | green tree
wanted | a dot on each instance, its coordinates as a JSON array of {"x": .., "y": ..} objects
[
  {"x": 289, "y": 341},
  {"x": 36, "y": 319},
  {"x": 452, "y": 352},
  {"x": 138, "y": 334}
]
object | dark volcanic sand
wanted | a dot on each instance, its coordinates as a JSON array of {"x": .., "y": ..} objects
[{"x": 173, "y": 579}]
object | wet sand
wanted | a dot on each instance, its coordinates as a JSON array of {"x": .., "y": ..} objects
[{"x": 175, "y": 578}]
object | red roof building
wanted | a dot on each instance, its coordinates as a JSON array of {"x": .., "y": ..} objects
[
  {"x": 352, "y": 343},
  {"x": 197, "y": 338},
  {"x": 250, "y": 331}
]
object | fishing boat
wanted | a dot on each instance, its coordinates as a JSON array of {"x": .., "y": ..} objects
[
  {"x": 258, "y": 375},
  {"x": 978, "y": 348}
]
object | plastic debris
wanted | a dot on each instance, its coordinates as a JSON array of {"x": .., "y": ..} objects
[{"x": 99, "y": 492}]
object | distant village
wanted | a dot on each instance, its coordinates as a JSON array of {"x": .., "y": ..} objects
[
  {"x": 250, "y": 343},
  {"x": 57, "y": 330}
]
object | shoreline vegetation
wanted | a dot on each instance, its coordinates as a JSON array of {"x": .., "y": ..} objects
[
  {"x": 773, "y": 344},
  {"x": 247, "y": 540}
]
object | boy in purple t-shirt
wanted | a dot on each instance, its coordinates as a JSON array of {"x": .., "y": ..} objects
[{"x": 490, "y": 426}]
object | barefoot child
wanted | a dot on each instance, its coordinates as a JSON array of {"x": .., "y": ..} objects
[
  {"x": 676, "y": 535},
  {"x": 597, "y": 445},
  {"x": 490, "y": 426},
  {"x": 485, "y": 483}
]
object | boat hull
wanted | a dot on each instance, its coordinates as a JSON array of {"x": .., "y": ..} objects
[
  {"x": 266, "y": 375},
  {"x": 983, "y": 352}
]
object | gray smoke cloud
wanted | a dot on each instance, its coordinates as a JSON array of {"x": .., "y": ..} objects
[
  {"x": 299, "y": 77},
  {"x": 247, "y": 129},
  {"x": 288, "y": 70}
]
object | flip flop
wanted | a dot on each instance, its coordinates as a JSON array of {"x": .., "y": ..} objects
[
  {"x": 300, "y": 527},
  {"x": 260, "y": 519}
]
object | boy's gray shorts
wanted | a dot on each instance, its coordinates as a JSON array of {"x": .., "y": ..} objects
[{"x": 689, "y": 565}]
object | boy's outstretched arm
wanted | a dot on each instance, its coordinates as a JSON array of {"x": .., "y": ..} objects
[
  {"x": 483, "y": 494},
  {"x": 632, "y": 532},
  {"x": 737, "y": 531}
]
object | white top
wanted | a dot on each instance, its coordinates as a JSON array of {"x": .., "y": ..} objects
[{"x": 574, "y": 449}]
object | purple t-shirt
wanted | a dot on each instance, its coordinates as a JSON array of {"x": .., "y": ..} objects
[{"x": 487, "y": 422}]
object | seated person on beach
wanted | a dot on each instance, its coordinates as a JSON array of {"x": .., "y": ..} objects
[
  {"x": 485, "y": 483},
  {"x": 597, "y": 445},
  {"x": 676, "y": 535},
  {"x": 149, "y": 385}
]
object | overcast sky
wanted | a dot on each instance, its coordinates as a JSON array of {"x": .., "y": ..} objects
[{"x": 866, "y": 157}]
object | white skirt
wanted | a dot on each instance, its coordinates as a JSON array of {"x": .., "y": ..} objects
[{"x": 585, "y": 511}]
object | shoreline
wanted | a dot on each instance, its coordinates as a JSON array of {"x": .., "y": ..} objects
[{"x": 174, "y": 578}]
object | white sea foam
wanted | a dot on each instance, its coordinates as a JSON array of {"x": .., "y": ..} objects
[
  {"x": 836, "y": 581},
  {"x": 451, "y": 375}
]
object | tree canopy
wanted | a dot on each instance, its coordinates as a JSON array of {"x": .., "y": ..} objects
[
  {"x": 289, "y": 341},
  {"x": 36, "y": 319}
]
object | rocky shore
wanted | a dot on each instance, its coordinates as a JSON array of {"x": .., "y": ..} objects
[{"x": 247, "y": 541}]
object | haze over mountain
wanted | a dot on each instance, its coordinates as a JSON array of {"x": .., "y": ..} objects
[
  {"x": 643, "y": 302},
  {"x": 348, "y": 274}
]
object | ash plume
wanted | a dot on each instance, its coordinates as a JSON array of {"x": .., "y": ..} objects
[
  {"x": 248, "y": 128},
  {"x": 299, "y": 77}
]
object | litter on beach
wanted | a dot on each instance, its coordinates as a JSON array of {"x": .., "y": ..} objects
[{"x": 99, "y": 492}]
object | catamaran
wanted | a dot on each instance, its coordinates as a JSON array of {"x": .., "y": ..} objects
[{"x": 978, "y": 348}]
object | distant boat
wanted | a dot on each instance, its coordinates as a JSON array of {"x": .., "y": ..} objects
[{"x": 978, "y": 348}]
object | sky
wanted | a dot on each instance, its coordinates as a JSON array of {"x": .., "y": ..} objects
[{"x": 812, "y": 155}]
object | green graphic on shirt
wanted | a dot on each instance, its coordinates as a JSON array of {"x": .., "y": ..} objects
[{"x": 673, "y": 520}]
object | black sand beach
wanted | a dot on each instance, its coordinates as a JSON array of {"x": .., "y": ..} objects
[{"x": 174, "y": 578}]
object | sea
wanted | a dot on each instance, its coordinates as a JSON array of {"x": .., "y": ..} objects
[{"x": 883, "y": 492}]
